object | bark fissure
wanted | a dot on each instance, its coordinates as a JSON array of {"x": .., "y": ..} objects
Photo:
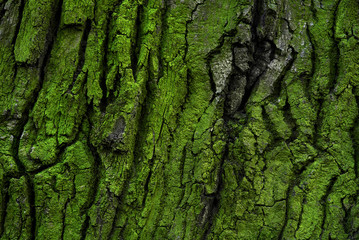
[
  {"x": 104, "y": 69},
  {"x": 31, "y": 195},
  {"x": 179, "y": 119},
  {"x": 81, "y": 55},
  {"x": 5, "y": 201},
  {"x": 324, "y": 202},
  {"x": 187, "y": 24},
  {"x": 84, "y": 228},
  {"x": 64, "y": 220},
  {"x": 21, "y": 11},
  {"x": 2, "y": 10},
  {"x": 136, "y": 41},
  {"x": 286, "y": 216},
  {"x": 334, "y": 60}
]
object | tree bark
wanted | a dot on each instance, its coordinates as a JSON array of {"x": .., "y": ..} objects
[{"x": 179, "y": 119}]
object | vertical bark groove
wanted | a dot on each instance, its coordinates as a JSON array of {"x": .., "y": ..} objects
[{"x": 179, "y": 119}]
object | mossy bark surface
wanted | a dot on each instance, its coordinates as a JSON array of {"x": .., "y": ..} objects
[{"x": 179, "y": 119}]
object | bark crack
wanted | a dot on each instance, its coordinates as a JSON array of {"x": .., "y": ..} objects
[
  {"x": 324, "y": 202},
  {"x": 21, "y": 12},
  {"x": 5, "y": 201},
  {"x": 136, "y": 43},
  {"x": 81, "y": 54},
  {"x": 104, "y": 68},
  {"x": 187, "y": 24}
]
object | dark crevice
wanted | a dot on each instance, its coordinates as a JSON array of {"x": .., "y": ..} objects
[
  {"x": 289, "y": 119},
  {"x": 181, "y": 167},
  {"x": 136, "y": 41},
  {"x": 324, "y": 202},
  {"x": 186, "y": 32},
  {"x": 288, "y": 25},
  {"x": 345, "y": 221},
  {"x": 31, "y": 194},
  {"x": 354, "y": 232},
  {"x": 335, "y": 53},
  {"x": 206, "y": 216},
  {"x": 257, "y": 15},
  {"x": 212, "y": 201},
  {"x": 103, "y": 85},
  {"x": 64, "y": 219},
  {"x": 213, "y": 84},
  {"x": 17, "y": 29},
  {"x": 5, "y": 200},
  {"x": 264, "y": 52},
  {"x": 81, "y": 54},
  {"x": 84, "y": 228},
  {"x": 162, "y": 30},
  {"x": 120, "y": 235},
  {"x": 274, "y": 133},
  {"x": 313, "y": 55},
  {"x": 318, "y": 124},
  {"x": 354, "y": 132},
  {"x": 286, "y": 218},
  {"x": 2, "y": 9},
  {"x": 115, "y": 218},
  {"x": 142, "y": 129},
  {"x": 300, "y": 168},
  {"x": 42, "y": 168},
  {"x": 96, "y": 173},
  {"x": 148, "y": 179},
  {"x": 187, "y": 96},
  {"x": 112, "y": 92},
  {"x": 279, "y": 82},
  {"x": 304, "y": 200},
  {"x": 313, "y": 10},
  {"x": 238, "y": 78}
]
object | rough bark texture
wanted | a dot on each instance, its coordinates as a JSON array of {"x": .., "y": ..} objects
[{"x": 179, "y": 119}]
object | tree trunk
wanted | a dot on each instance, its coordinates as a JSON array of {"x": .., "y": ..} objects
[{"x": 179, "y": 119}]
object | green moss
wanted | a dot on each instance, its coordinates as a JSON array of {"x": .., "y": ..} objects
[
  {"x": 32, "y": 40},
  {"x": 18, "y": 223},
  {"x": 63, "y": 192},
  {"x": 77, "y": 12},
  {"x": 117, "y": 124}
]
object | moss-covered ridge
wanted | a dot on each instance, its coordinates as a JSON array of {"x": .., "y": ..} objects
[{"x": 179, "y": 119}]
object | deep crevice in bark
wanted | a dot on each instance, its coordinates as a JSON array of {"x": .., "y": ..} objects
[
  {"x": 97, "y": 173},
  {"x": 187, "y": 24},
  {"x": 31, "y": 195},
  {"x": 334, "y": 58},
  {"x": 81, "y": 54},
  {"x": 286, "y": 216},
  {"x": 17, "y": 30},
  {"x": 136, "y": 44},
  {"x": 324, "y": 202},
  {"x": 2, "y": 10},
  {"x": 84, "y": 228},
  {"x": 5, "y": 200},
  {"x": 263, "y": 50},
  {"x": 115, "y": 218},
  {"x": 163, "y": 29},
  {"x": 104, "y": 69},
  {"x": 214, "y": 199}
]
